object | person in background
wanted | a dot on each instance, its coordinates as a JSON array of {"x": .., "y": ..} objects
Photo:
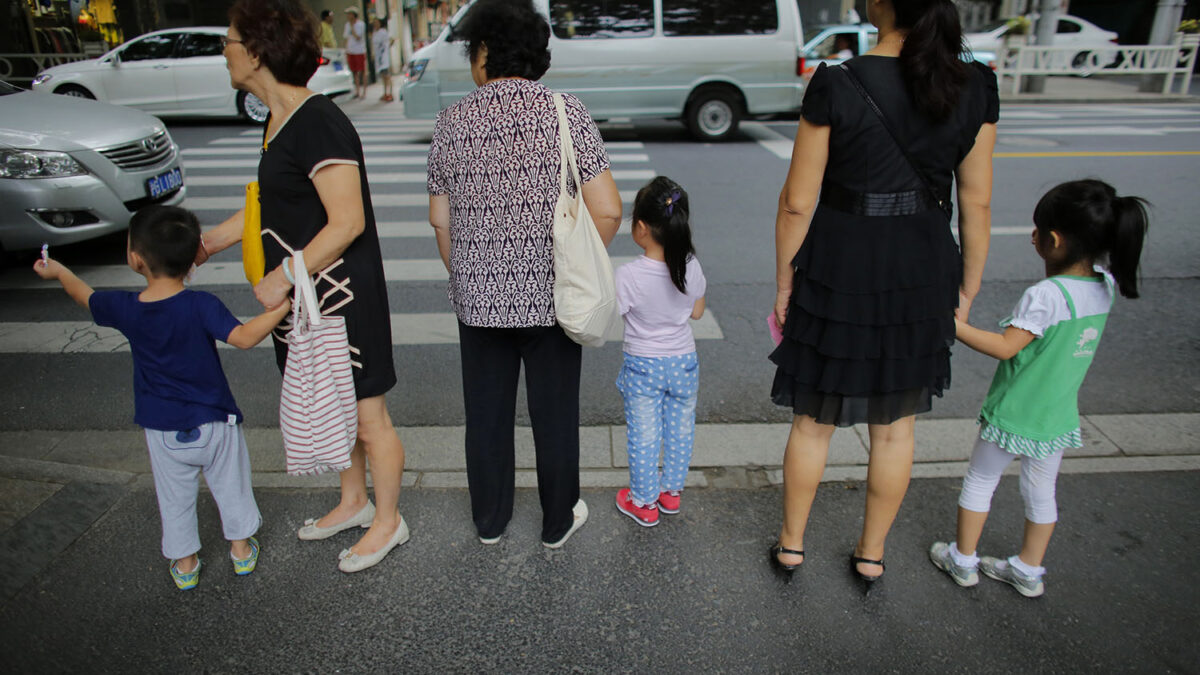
[
  {"x": 355, "y": 36},
  {"x": 328, "y": 41},
  {"x": 381, "y": 45}
]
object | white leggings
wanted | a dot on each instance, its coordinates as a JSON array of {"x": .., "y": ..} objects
[{"x": 1038, "y": 476}]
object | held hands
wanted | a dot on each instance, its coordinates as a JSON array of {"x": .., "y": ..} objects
[
  {"x": 964, "y": 307},
  {"x": 273, "y": 290}
]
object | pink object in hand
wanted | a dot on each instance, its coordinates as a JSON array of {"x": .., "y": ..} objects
[{"x": 774, "y": 327}]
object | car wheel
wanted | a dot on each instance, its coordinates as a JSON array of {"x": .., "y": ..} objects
[
  {"x": 713, "y": 114},
  {"x": 75, "y": 90},
  {"x": 1085, "y": 63},
  {"x": 251, "y": 107}
]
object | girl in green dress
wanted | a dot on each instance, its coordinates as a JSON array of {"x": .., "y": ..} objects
[{"x": 1091, "y": 242}]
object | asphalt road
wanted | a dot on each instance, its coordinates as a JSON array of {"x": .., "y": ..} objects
[
  {"x": 1148, "y": 362},
  {"x": 692, "y": 595}
]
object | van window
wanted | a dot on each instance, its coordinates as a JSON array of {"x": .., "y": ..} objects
[
  {"x": 719, "y": 17},
  {"x": 602, "y": 18}
]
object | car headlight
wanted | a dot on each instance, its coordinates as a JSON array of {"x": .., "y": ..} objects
[
  {"x": 38, "y": 164},
  {"x": 416, "y": 69},
  {"x": 42, "y": 78}
]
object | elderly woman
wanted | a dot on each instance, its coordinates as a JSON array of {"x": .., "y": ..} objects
[
  {"x": 314, "y": 198},
  {"x": 493, "y": 183},
  {"x": 868, "y": 274}
]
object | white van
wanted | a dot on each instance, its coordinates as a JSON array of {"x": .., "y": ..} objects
[{"x": 708, "y": 62}]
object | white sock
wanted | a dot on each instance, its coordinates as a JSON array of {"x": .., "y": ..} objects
[
  {"x": 1026, "y": 570},
  {"x": 962, "y": 559}
]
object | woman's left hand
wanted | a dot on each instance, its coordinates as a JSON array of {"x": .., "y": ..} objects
[
  {"x": 273, "y": 290},
  {"x": 782, "y": 299},
  {"x": 964, "y": 307}
]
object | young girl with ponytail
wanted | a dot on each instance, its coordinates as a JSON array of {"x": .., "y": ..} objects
[
  {"x": 1031, "y": 410},
  {"x": 656, "y": 294}
]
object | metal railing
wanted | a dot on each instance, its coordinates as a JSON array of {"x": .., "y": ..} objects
[
  {"x": 21, "y": 68},
  {"x": 1172, "y": 61}
]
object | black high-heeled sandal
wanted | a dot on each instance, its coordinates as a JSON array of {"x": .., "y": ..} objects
[
  {"x": 866, "y": 578},
  {"x": 782, "y": 569}
]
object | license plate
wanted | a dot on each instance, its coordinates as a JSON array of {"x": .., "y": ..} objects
[
  {"x": 164, "y": 183},
  {"x": 337, "y": 65}
]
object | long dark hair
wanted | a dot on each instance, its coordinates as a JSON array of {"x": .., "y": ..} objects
[
  {"x": 1096, "y": 223},
  {"x": 931, "y": 59},
  {"x": 663, "y": 206}
]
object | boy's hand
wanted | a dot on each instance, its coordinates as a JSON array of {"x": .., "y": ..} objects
[{"x": 49, "y": 268}]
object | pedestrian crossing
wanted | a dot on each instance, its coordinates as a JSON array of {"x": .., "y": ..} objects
[{"x": 216, "y": 173}]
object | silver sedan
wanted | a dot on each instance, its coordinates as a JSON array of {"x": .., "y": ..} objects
[{"x": 73, "y": 169}]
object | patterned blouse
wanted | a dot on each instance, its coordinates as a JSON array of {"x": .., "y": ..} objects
[{"x": 495, "y": 153}]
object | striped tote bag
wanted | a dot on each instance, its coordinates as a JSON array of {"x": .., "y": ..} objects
[{"x": 318, "y": 412}]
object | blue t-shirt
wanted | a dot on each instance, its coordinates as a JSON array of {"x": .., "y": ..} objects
[{"x": 178, "y": 383}]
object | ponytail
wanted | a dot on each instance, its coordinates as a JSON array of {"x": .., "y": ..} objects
[
  {"x": 663, "y": 206},
  {"x": 1126, "y": 236},
  {"x": 1096, "y": 223},
  {"x": 931, "y": 59}
]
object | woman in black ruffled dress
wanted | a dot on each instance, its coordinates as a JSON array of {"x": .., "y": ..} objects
[{"x": 869, "y": 277}]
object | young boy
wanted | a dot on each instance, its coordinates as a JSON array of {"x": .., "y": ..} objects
[{"x": 180, "y": 395}]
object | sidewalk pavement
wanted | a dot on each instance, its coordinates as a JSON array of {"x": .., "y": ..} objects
[
  {"x": 1098, "y": 89},
  {"x": 35, "y": 465}
]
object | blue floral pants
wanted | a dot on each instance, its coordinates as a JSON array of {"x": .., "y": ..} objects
[{"x": 660, "y": 415}]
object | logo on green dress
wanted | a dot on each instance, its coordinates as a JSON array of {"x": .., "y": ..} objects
[{"x": 1086, "y": 345}]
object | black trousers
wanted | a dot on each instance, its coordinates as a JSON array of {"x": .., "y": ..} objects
[{"x": 491, "y": 364}]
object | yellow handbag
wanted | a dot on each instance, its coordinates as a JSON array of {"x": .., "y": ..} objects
[{"x": 254, "y": 261}]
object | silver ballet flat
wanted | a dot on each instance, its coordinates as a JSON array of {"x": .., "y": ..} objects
[
  {"x": 311, "y": 532},
  {"x": 352, "y": 562}
]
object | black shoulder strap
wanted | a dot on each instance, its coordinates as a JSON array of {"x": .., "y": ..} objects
[{"x": 943, "y": 204}]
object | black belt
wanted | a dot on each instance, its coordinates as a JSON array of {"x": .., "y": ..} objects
[{"x": 904, "y": 203}]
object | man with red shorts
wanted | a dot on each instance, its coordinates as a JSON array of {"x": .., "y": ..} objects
[{"x": 355, "y": 35}]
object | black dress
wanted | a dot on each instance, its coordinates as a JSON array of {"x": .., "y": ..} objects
[
  {"x": 316, "y": 135},
  {"x": 871, "y": 317}
]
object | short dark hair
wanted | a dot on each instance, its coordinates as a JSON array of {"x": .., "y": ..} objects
[
  {"x": 326, "y": 13},
  {"x": 282, "y": 34},
  {"x": 167, "y": 238},
  {"x": 515, "y": 34}
]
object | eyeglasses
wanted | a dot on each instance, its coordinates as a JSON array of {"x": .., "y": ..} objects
[{"x": 226, "y": 40}]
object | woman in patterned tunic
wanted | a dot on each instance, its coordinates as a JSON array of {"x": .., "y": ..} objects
[
  {"x": 314, "y": 197},
  {"x": 493, "y": 183}
]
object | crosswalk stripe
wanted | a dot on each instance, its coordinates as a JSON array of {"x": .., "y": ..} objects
[
  {"x": 372, "y": 161},
  {"x": 408, "y": 329},
  {"x": 229, "y": 274},
  {"x": 378, "y": 200},
  {"x": 386, "y": 178}
]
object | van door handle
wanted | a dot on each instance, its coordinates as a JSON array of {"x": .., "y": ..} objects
[{"x": 161, "y": 67}]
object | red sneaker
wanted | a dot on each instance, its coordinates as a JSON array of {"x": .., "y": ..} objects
[
  {"x": 646, "y": 516},
  {"x": 668, "y": 503}
]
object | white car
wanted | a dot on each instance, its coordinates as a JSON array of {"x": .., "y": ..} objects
[
  {"x": 176, "y": 72},
  {"x": 1097, "y": 47}
]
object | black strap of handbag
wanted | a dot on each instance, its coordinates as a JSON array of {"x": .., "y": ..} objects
[{"x": 943, "y": 204}]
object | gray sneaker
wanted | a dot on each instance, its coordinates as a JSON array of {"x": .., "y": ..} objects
[
  {"x": 939, "y": 554},
  {"x": 1001, "y": 570}
]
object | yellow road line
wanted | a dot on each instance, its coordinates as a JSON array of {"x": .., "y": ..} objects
[{"x": 1132, "y": 153}]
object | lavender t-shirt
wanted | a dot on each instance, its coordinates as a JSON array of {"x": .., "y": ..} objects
[{"x": 656, "y": 314}]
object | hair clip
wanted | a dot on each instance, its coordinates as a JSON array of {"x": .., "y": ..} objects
[{"x": 670, "y": 204}]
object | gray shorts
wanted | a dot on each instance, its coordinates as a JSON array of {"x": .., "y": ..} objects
[{"x": 218, "y": 449}]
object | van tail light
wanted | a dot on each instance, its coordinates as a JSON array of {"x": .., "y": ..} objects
[
  {"x": 323, "y": 61},
  {"x": 799, "y": 66}
]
